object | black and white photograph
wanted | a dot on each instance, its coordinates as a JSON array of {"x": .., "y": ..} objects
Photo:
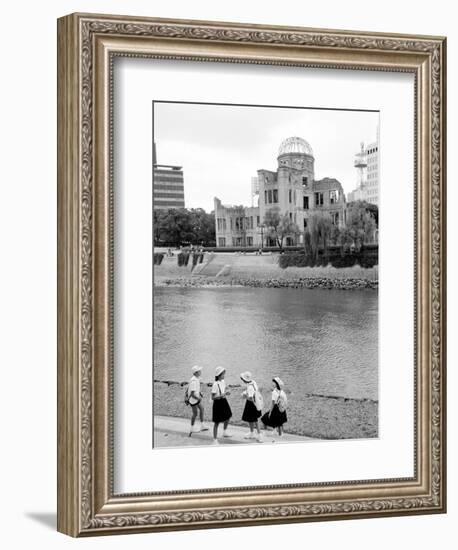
[{"x": 265, "y": 279}]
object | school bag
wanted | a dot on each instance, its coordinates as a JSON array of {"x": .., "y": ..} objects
[
  {"x": 186, "y": 397},
  {"x": 258, "y": 399},
  {"x": 282, "y": 401}
]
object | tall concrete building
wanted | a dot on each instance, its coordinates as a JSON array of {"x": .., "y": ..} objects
[
  {"x": 292, "y": 190},
  {"x": 367, "y": 166},
  {"x": 372, "y": 182},
  {"x": 168, "y": 185}
]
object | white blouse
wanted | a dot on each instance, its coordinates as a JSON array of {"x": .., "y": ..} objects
[
  {"x": 194, "y": 386},
  {"x": 219, "y": 387},
  {"x": 277, "y": 394}
]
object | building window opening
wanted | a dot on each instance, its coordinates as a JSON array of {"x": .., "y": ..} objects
[
  {"x": 334, "y": 196},
  {"x": 319, "y": 199},
  {"x": 290, "y": 196},
  {"x": 249, "y": 241},
  {"x": 306, "y": 203},
  {"x": 222, "y": 241},
  {"x": 275, "y": 195},
  {"x": 269, "y": 195},
  {"x": 305, "y": 181}
]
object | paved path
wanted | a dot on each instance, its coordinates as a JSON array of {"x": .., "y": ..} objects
[{"x": 170, "y": 431}]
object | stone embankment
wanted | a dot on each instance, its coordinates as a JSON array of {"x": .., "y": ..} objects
[{"x": 302, "y": 282}]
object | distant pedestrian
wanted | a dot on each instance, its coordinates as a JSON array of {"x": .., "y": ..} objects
[
  {"x": 253, "y": 406},
  {"x": 194, "y": 395},
  {"x": 276, "y": 416},
  {"x": 221, "y": 408}
]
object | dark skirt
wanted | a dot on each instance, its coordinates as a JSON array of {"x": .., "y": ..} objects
[
  {"x": 221, "y": 410},
  {"x": 250, "y": 412},
  {"x": 275, "y": 419}
]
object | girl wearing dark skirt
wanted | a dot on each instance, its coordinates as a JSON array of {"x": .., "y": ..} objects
[
  {"x": 276, "y": 416},
  {"x": 221, "y": 409},
  {"x": 251, "y": 413}
]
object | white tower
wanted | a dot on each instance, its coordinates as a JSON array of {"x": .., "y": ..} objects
[{"x": 361, "y": 166}]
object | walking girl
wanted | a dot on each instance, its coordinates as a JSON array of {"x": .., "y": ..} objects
[
  {"x": 194, "y": 398},
  {"x": 253, "y": 406},
  {"x": 221, "y": 408},
  {"x": 276, "y": 416}
]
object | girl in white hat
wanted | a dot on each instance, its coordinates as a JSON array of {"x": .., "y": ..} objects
[
  {"x": 276, "y": 416},
  {"x": 221, "y": 408},
  {"x": 195, "y": 400},
  {"x": 253, "y": 406}
]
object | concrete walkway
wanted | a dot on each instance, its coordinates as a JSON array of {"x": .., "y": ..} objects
[{"x": 170, "y": 431}]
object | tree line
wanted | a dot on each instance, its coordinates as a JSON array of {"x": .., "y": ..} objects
[
  {"x": 182, "y": 226},
  {"x": 360, "y": 227}
]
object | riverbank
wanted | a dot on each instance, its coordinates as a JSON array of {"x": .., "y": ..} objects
[
  {"x": 315, "y": 416},
  {"x": 219, "y": 269},
  {"x": 301, "y": 282}
]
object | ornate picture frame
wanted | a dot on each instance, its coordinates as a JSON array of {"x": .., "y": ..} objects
[{"x": 87, "y": 45}]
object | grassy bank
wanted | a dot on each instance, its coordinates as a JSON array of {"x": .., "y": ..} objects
[
  {"x": 261, "y": 271},
  {"x": 315, "y": 416}
]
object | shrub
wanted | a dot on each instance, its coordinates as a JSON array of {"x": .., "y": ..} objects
[
  {"x": 366, "y": 257},
  {"x": 195, "y": 259},
  {"x": 347, "y": 260},
  {"x": 183, "y": 259},
  {"x": 157, "y": 258}
]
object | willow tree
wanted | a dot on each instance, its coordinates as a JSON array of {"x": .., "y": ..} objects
[
  {"x": 317, "y": 234},
  {"x": 278, "y": 226},
  {"x": 361, "y": 225}
]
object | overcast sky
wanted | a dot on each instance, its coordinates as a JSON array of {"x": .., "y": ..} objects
[{"x": 222, "y": 147}]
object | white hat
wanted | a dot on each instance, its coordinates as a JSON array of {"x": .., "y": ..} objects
[
  {"x": 219, "y": 370},
  {"x": 246, "y": 376},
  {"x": 195, "y": 369},
  {"x": 278, "y": 381}
]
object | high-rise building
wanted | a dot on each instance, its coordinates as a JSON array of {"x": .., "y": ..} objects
[
  {"x": 168, "y": 185},
  {"x": 372, "y": 181}
]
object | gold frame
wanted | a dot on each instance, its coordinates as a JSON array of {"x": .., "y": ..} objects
[{"x": 87, "y": 44}]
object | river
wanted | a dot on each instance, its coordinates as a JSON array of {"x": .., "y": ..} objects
[{"x": 321, "y": 342}]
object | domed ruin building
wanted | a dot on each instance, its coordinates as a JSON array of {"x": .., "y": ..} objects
[{"x": 292, "y": 189}]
